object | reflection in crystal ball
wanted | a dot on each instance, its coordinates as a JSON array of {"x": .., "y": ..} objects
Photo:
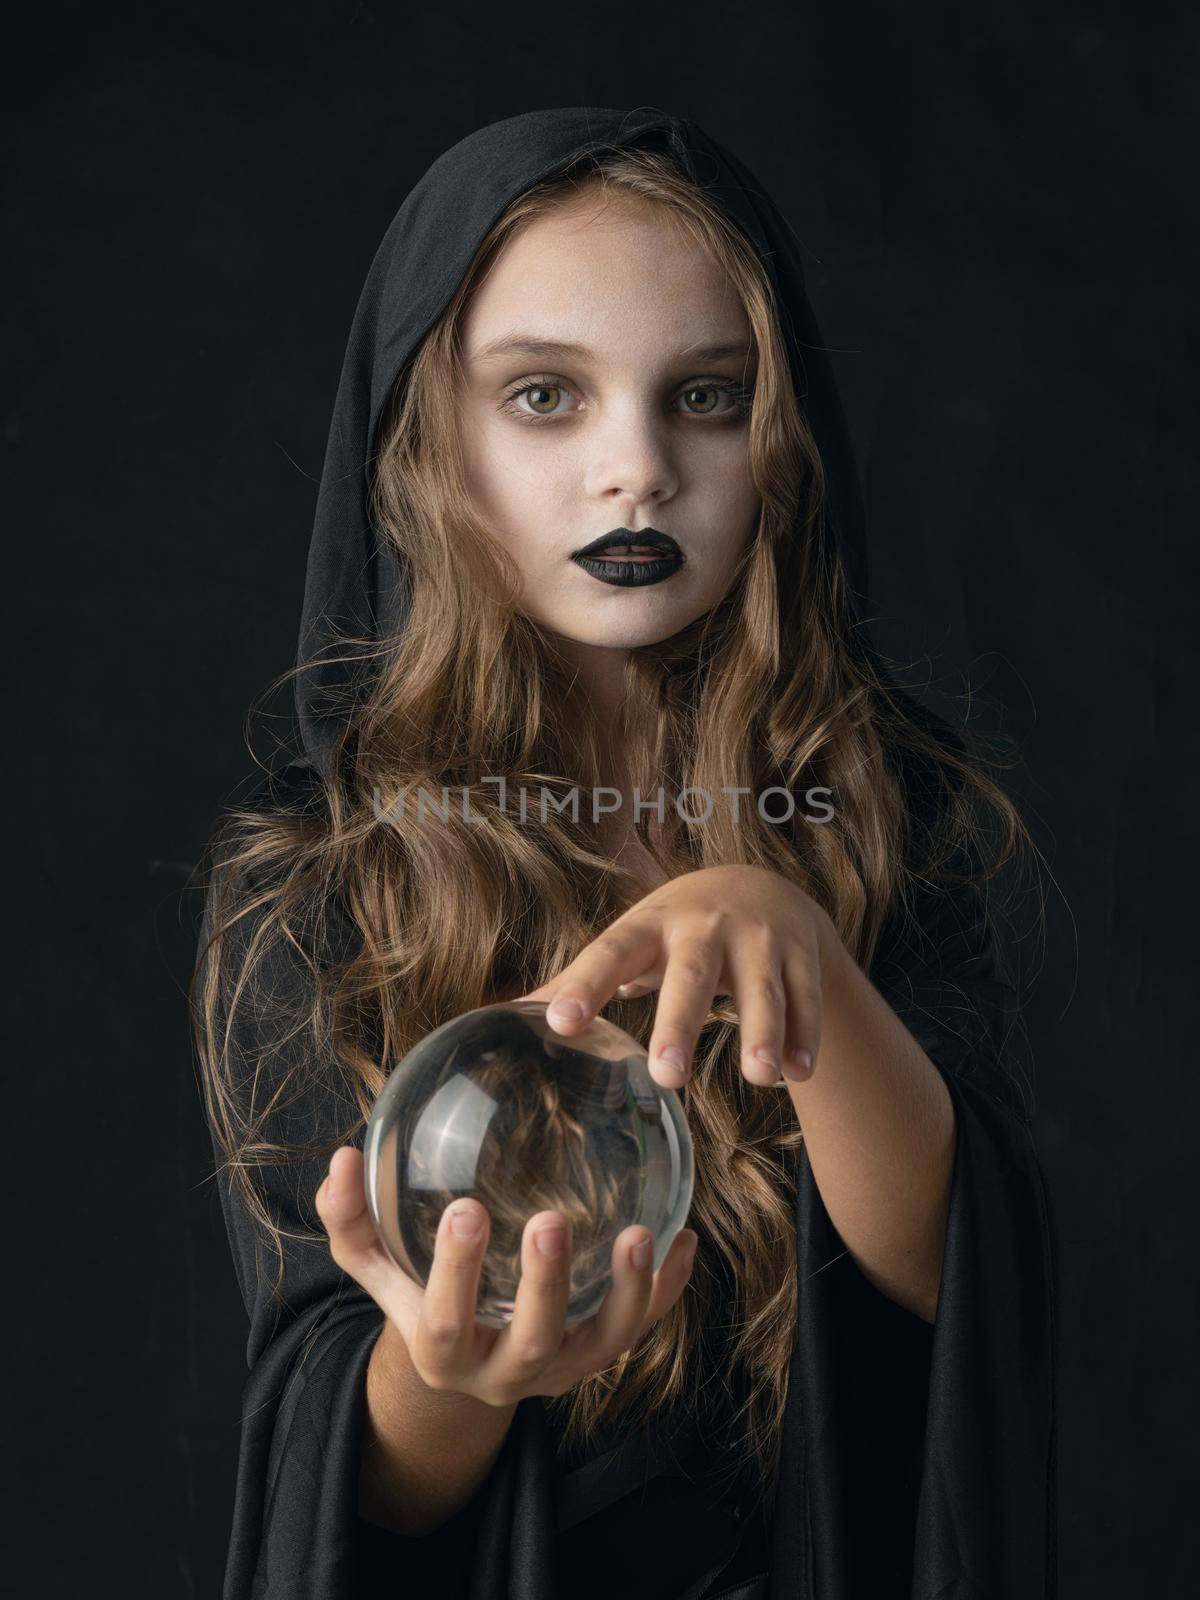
[{"x": 496, "y": 1105}]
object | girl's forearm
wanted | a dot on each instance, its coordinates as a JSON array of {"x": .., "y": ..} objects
[
  {"x": 879, "y": 1128},
  {"x": 425, "y": 1452}
]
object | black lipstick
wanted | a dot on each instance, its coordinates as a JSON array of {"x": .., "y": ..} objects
[{"x": 644, "y": 557}]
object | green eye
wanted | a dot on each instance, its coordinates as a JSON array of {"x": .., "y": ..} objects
[
  {"x": 543, "y": 389},
  {"x": 707, "y": 388}
]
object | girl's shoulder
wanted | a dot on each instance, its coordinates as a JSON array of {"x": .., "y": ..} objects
[
  {"x": 296, "y": 787},
  {"x": 251, "y": 889}
]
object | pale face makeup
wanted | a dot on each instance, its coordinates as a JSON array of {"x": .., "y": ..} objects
[{"x": 641, "y": 427}]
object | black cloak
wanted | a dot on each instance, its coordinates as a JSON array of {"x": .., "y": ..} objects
[{"x": 918, "y": 1459}]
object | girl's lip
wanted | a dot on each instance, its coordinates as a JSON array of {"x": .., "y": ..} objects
[
  {"x": 628, "y": 572},
  {"x": 658, "y": 546},
  {"x": 647, "y": 555}
]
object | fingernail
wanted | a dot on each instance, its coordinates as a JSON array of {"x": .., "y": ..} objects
[
  {"x": 768, "y": 1059},
  {"x": 566, "y": 1011},
  {"x": 464, "y": 1224},
  {"x": 672, "y": 1056},
  {"x": 798, "y": 1065},
  {"x": 640, "y": 1254},
  {"x": 550, "y": 1241}
]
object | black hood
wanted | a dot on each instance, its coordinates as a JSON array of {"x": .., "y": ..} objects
[{"x": 353, "y": 580}]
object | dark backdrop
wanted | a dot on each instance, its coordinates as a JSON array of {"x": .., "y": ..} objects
[{"x": 994, "y": 207}]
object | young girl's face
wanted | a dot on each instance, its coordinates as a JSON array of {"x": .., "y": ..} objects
[{"x": 640, "y": 427}]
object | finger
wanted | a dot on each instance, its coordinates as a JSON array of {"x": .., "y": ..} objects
[
  {"x": 761, "y": 998},
  {"x": 694, "y": 964},
  {"x": 802, "y": 1034},
  {"x": 642, "y": 984},
  {"x": 446, "y": 1341},
  {"x": 671, "y": 1279},
  {"x": 342, "y": 1208},
  {"x": 531, "y": 1340},
  {"x": 637, "y": 1299},
  {"x": 544, "y": 993},
  {"x": 356, "y": 1246},
  {"x": 620, "y": 952}
]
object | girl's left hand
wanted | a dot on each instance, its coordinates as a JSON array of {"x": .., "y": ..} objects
[{"x": 741, "y": 931}]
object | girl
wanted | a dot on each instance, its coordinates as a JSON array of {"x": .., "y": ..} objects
[{"x": 589, "y": 526}]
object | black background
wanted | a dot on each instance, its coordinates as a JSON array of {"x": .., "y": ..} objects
[{"x": 996, "y": 209}]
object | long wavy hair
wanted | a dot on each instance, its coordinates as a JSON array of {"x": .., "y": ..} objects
[{"x": 771, "y": 687}]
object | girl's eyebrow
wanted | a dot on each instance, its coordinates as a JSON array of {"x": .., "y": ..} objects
[{"x": 526, "y": 344}]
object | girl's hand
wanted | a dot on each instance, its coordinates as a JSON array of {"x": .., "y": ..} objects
[
  {"x": 740, "y": 931},
  {"x": 534, "y": 1354}
]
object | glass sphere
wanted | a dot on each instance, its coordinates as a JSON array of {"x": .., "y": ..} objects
[{"x": 496, "y": 1105}]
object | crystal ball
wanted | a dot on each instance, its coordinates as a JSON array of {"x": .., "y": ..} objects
[{"x": 496, "y": 1105}]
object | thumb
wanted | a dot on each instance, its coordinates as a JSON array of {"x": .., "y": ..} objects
[
  {"x": 356, "y": 1246},
  {"x": 342, "y": 1208}
]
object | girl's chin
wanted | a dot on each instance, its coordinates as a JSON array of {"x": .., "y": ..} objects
[{"x": 582, "y": 629}]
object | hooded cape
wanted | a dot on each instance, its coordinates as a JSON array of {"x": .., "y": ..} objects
[{"x": 918, "y": 1460}]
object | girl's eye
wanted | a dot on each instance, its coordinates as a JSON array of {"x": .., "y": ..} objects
[
  {"x": 541, "y": 397},
  {"x": 713, "y": 393},
  {"x": 702, "y": 399}
]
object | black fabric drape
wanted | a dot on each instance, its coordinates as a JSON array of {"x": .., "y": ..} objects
[{"x": 917, "y": 1460}]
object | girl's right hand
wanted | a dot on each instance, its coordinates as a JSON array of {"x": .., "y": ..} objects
[{"x": 533, "y": 1354}]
